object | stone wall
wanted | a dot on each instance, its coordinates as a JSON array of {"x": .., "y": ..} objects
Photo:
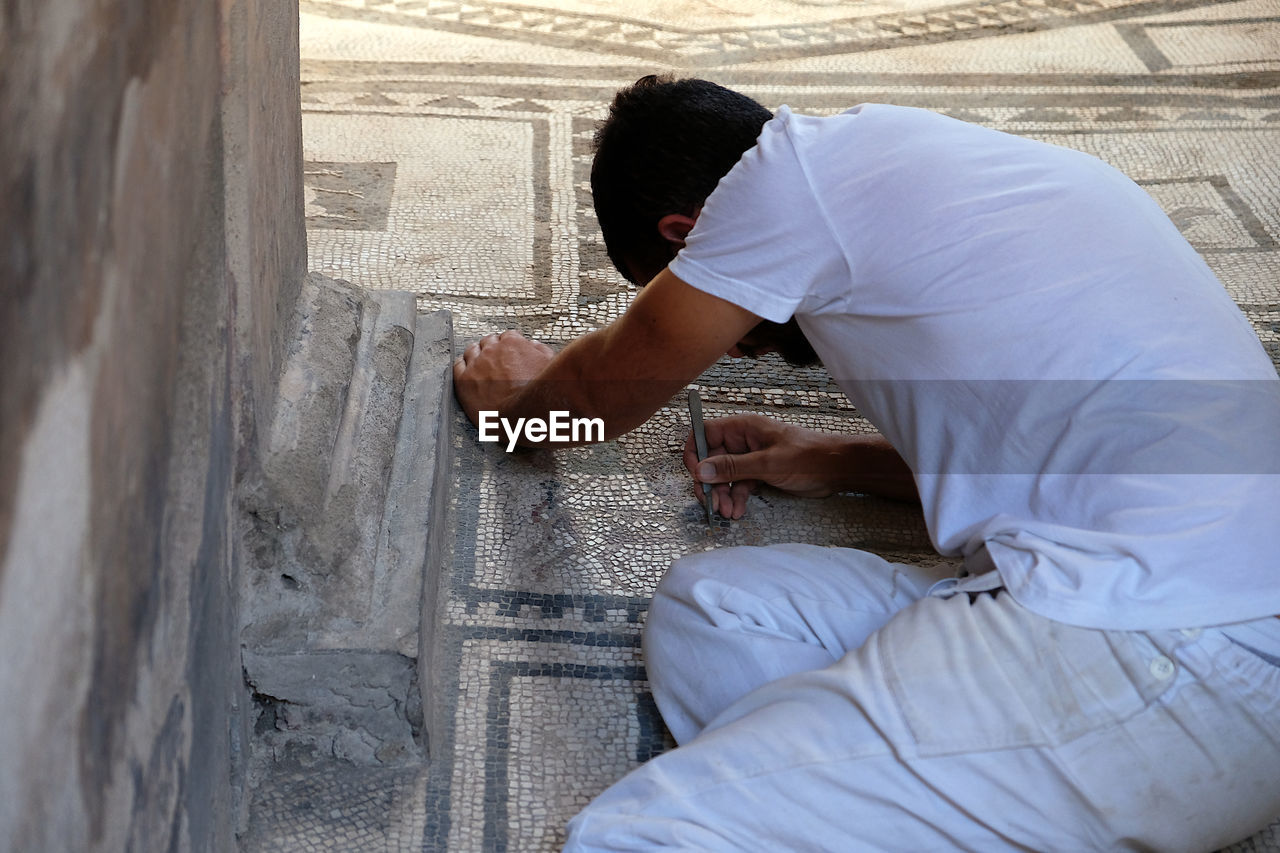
[{"x": 151, "y": 236}]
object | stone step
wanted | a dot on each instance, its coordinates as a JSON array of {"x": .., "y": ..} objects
[{"x": 347, "y": 525}]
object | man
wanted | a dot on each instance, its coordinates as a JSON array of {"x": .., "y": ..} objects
[{"x": 1085, "y": 417}]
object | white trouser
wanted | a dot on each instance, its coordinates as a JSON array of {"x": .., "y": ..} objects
[{"x": 824, "y": 701}]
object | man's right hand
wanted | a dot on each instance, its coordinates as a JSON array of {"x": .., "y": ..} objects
[
  {"x": 744, "y": 451},
  {"x": 490, "y": 370}
]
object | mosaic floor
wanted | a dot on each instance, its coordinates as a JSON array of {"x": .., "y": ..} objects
[{"x": 448, "y": 149}]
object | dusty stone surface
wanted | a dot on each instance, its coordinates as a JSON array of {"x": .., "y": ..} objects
[
  {"x": 418, "y": 538},
  {"x": 342, "y": 529},
  {"x": 337, "y": 526},
  {"x": 357, "y": 707},
  {"x": 313, "y": 517}
]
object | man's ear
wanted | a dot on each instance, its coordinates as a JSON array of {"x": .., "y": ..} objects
[{"x": 675, "y": 227}]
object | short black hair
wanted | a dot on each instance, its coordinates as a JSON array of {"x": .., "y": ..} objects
[{"x": 662, "y": 150}]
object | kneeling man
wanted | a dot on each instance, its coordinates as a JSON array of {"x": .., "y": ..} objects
[{"x": 1080, "y": 408}]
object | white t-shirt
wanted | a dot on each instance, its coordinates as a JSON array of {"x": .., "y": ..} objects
[{"x": 1070, "y": 383}]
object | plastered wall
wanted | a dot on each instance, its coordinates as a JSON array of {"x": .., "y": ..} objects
[{"x": 151, "y": 235}]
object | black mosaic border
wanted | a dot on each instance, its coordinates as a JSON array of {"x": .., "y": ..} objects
[
  {"x": 1244, "y": 213},
  {"x": 461, "y": 586},
  {"x": 1138, "y": 38},
  {"x": 498, "y": 748}
]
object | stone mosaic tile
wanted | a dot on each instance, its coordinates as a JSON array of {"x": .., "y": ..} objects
[
  {"x": 474, "y": 176},
  {"x": 466, "y": 128},
  {"x": 325, "y": 806}
]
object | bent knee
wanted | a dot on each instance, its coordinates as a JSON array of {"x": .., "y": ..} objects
[
  {"x": 740, "y": 566},
  {"x": 684, "y": 572},
  {"x": 695, "y": 585}
]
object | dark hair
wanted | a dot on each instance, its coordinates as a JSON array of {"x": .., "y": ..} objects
[{"x": 662, "y": 150}]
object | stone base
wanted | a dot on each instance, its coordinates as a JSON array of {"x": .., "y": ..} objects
[{"x": 345, "y": 527}]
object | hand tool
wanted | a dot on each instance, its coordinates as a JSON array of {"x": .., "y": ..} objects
[{"x": 700, "y": 439}]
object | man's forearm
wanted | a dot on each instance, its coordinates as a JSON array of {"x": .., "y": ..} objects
[
  {"x": 588, "y": 380},
  {"x": 620, "y": 374}
]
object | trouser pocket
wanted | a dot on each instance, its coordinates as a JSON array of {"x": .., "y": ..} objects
[{"x": 989, "y": 674}]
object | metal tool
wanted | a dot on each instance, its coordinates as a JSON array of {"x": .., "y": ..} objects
[{"x": 700, "y": 440}]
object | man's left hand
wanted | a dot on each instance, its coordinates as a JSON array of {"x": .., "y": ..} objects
[{"x": 492, "y": 368}]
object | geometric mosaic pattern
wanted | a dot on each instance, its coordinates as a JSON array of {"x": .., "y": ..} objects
[
  {"x": 448, "y": 149},
  {"x": 836, "y": 33}
]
